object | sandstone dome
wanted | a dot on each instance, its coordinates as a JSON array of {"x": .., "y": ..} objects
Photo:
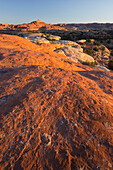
[{"x": 55, "y": 113}]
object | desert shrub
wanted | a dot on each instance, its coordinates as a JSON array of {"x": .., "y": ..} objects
[
  {"x": 110, "y": 64},
  {"x": 111, "y": 57},
  {"x": 89, "y": 63},
  {"x": 97, "y": 43},
  {"x": 49, "y": 39},
  {"x": 108, "y": 46},
  {"x": 95, "y": 49},
  {"x": 42, "y": 36},
  {"x": 89, "y": 41},
  {"x": 102, "y": 48},
  {"x": 109, "y": 41},
  {"x": 111, "y": 53},
  {"x": 94, "y": 53},
  {"x": 21, "y": 35},
  {"x": 89, "y": 52},
  {"x": 45, "y": 33}
]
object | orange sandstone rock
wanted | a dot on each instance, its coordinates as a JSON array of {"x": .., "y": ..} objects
[{"x": 54, "y": 113}]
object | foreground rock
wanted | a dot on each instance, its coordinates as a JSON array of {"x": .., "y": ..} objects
[{"x": 55, "y": 114}]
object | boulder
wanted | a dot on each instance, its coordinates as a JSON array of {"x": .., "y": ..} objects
[
  {"x": 66, "y": 42},
  {"x": 81, "y": 41},
  {"x": 60, "y": 51},
  {"x": 53, "y": 37},
  {"x": 75, "y": 54},
  {"x": 40, "y": 40},
  {"x": 35, "y": 35}
]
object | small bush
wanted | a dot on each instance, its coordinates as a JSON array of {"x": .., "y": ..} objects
[
  {"x": 110, "y": 64},
  {"x": 42, "y": 36},
  {"x": 89, "y": 41},
  {"x": 90, "y": 63},
  {"x": 103, "y": 48},
  {"x": 89, "y": 52},
  {"x": 108, "y": 46},
  {"x": 97, "y": 43},
  {"x": 49, "y": 39},
  {"x": 109, "y": 41},
  {"x": 95, "y": 49},
  {"x": 111, "y": 53},
  {"x": 111, "y": 57}
]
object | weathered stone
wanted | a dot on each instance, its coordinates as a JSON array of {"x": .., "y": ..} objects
[
  {"x": 40, "y": 40},
  {"x": 76, "y": 54},
  {"x": 53, "y": 37}
]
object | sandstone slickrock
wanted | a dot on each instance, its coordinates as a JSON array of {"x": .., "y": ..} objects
[
  {"x": 66, "y": 42},
  {"x": 76, "y": 54},
  {"x": 73, "y": 51},
  {"x": 70, "y": 49},
  {"x": 54, "y": 113},
  {"x": 53, "y": 37},
  {"x": 40, "y": 40}
]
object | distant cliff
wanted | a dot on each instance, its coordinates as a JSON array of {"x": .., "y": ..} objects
[{"x": 36, "y": 25}]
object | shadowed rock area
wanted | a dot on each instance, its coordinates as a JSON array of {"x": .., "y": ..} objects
[{"x": 54, "y": 113}]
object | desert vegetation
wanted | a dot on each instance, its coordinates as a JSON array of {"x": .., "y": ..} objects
[
  {"x": 110, "y": 64},
  {"x": 90, "y": 63}
]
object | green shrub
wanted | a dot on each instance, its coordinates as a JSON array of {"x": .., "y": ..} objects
[
  {"x": 110, "y": 64},
  {"x": 89, "y": 52},
  {"x": 89, "y": 63},
  {"x": 89, "y": 41},
  {"x": 97, "y": 43},
  {"x": 108, "y": 46},
  {"x": 111, "y": 53},
  {"x": 49, "y": 39},
  {"x": 111, "y": 57},
  {"x": 95, "y": 49},
  {"x": 109, "y": 41},
  {"x": 42, "y": 36},
  {"x": 102, "y": 48}
]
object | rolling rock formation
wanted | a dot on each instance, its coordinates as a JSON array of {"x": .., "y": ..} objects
[
  {"x": 34, "y": 25},
  {"x": 71, "y": 49},
  {"x": 54, "y": 113},
  {"x": 40, "y": 25}
]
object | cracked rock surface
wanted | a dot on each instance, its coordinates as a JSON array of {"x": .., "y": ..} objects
[{"x": 54, "y": 113}]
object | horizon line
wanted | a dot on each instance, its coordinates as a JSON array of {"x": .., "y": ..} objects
[{"x": 84, "y": 22}]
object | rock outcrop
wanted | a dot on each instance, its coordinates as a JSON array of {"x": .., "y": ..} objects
[
  {"x": 34, "y": 25},
  {"x": 75, "y": 54},
  {"x": 54, "y": 113},
  {"x": 53, "y": 37},
  {"x": 41, "y": 38},
  {"x": 99, "y": 52},
  {"x": 70, "y": 49}
]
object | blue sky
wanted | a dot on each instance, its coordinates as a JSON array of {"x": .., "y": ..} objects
[{"x": 56, "y": 11}]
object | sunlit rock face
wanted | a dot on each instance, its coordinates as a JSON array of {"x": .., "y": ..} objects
[{"x": 54, "y": 113}]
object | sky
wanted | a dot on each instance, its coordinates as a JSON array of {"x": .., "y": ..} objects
[{"x": 56, "y": 11}]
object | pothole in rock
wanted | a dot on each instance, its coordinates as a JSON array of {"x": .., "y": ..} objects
[{"x": 46, "y": 139}]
